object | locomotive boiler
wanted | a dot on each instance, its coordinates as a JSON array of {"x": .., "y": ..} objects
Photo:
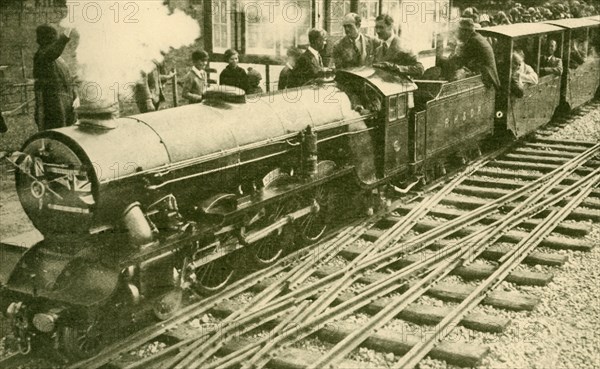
[{"x": 135, "y": 209}]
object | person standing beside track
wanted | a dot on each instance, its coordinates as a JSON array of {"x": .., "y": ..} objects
[
  {"x": 233, "y": 74},
  {"x": 149, "y": 88},
  {"x": 195, "y": 82},
  {"x": 55, "y": 95}
]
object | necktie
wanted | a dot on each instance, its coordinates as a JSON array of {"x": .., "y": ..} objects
[
  {"x": 385, "y": 48},
  {"x": 357, "y": 51},
  {"x": 320, "y": 60}
]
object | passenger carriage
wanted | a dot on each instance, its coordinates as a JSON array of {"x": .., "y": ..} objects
[
  {"x": 579, "y": 82},
  {"x": 522, "y": 115}
]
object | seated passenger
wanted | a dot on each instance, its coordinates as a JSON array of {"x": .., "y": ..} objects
[
  {"x": 233, "y": 74},
  {"x": 577, "y": 54},
  {"x": 527, "y": 75},
  {"x": 550, "y": 64},
  {"x": 476, "y": 54},
  {"x": 517, "y": 87},
  {"x": 391, "y": 54},
  {"x": 196, "y": 81}
]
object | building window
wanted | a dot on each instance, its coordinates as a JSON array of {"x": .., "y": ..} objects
[
  {"x": 272, "y": 27},
  {"x": 222, "y": 20},
  {"x": 392, "y": 7},
  {"x": 337, "y": 11},
  {"x": 368, "y": 11}
]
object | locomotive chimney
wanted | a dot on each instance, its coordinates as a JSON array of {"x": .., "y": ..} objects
[{"x": 98, "y": 113}]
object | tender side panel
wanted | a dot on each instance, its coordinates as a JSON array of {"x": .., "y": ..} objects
[
  {"x": 536, "y": 107},
  {"x": 466, "y": 115}
]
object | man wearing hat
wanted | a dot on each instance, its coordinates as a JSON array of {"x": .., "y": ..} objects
[
  {"x": 390, "y": 54},
  {"x": 476, "y": 54},
  {"x": 355, "y": 49},
  {"x": 55, "y": 96},
  {"x": 485, "y": 21}
]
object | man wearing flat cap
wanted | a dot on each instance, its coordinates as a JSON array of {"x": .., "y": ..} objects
[
  {"x": 476, "y": 54},
  {"x": 55, "y": 95},
  {"x": 355, "y": 49}
]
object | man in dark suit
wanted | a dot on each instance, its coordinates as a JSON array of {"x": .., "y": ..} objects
[
  {"x": 286, "y": 77},
  {"x": 550, "y": 64},
  {"x": 390, "y": 54},
  {"x": 55, "y": 96},
  {"x": 355, "y": 49},
  {"x": 310, "y": 64},
  {"x": 476, "y": 54}
]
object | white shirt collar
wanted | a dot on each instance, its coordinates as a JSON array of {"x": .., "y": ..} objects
[
  {"x": 314, "y": 52},
  {"x": 289, "y": 66},
  {"x": 198, "y": 72}
]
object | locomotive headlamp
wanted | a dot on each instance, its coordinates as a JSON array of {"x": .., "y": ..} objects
[{"x": 45, "y": 322}]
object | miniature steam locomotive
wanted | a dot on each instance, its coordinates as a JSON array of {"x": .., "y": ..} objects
[{"x": 135, "y": 209}]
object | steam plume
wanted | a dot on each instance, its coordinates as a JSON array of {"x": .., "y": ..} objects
[{"x": 119, "y": 39}]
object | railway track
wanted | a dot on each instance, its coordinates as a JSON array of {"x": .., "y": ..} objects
[
  {"x": 393, "y": 265},
  {"x": 295, "y": 300}
]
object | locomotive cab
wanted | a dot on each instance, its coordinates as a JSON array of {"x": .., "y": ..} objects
[{"x": 387, "y": 99}]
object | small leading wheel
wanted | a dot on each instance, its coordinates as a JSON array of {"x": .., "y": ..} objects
[
  {"x": 80, "y": 342},
  {"x": 213, "y": 276},
  {"x": 167, "y": 305}
]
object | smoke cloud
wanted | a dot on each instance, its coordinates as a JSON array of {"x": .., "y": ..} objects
[{"x": 119, "y": 39}]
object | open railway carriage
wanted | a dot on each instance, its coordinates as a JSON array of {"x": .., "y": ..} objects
[
  {"x": 522, "y": 115},
  {"x": 134, "y": 209},
  {"x": 580, "y": 80}
]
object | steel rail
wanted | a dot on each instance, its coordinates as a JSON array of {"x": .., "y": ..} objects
[
  {"x": 202, "y": 353},
  {"x": 329, "y": 249},
  {"x": 211, "y": 345},
  {"x": 568, "y": 166},
  {"x": 417, "y": 352},
  {"x": 239, "y": 322},
  {"x": 391, "y": 236},
  {"x": 113, "y": 351},
  {"x": 486, "y": 236}
]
